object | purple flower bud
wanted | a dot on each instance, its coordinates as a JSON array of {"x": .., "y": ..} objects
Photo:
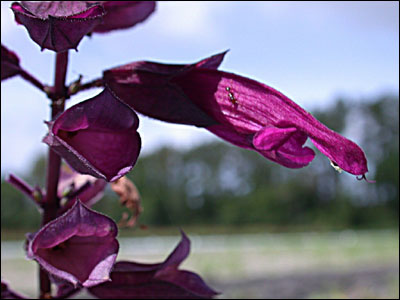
[
  {"x": 36, "y": 194},
  {"x": 130, "y": 280},
  {"x": 79, "y": 247},
  {"x": 124, "y": 14},
  {"x": 7, "y": 293},
  {"x": 97, "y": 137},
  {"x": 64, "y": 289},
  {"x": 73, "y": 185},
  {"x": 58, "y": 25},
  {"x": 240, "y": 110},
  {"x": 9, "y": 63}
]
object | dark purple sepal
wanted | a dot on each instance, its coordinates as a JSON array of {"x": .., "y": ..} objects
[
  {"x": 9, "y": 63},
  {"x": 147, "y": 88},
  {"x": 58, "y": 25},
  {"x": 7, "y": 293},
  {"x": 97, "y": 137},
  {"x": 79, "y": 247},
  {"x": 130, "y": 280},
  {"x": 124, "y": 14}
]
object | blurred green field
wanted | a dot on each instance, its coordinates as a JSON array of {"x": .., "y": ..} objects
[{"x": 342, "y": 264}]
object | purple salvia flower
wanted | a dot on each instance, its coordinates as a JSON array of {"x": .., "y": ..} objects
[
  {"x": 58, "y": 25},
  {"x": 9, "y": 63},
  {"x": 124, "y": 14},
  {"x": 97, "y": 137},
  {"x": 73, "y": 185},
  {"x": 130, "y": 280},
  {"x": 7, "y": 293},
  {"x": 79, "y": 247},
  {"x": 240, "y": 110}
]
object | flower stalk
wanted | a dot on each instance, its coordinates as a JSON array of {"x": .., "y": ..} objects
[{"x": 52, "y": 204}]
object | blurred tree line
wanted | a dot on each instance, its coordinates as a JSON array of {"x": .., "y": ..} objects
[{"x": 219, "y": 184}]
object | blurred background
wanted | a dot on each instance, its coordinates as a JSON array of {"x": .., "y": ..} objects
[{"x": 258, "y": 230}]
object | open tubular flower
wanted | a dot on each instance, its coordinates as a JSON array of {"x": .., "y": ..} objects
[{"x": 240, "y": 110}]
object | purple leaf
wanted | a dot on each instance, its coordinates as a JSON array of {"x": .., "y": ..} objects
[
  {"x": 7, "y": 293},
  {"x": 9, "y": 63},
  {"x": 130, "y": 280},
  {"x": 124, "y": 14},
  {"x": 97, "y": 137},
  {"x": 78, "y": 247},
  {"x": 58, "y": 25},
  {"x": 240, "y": 110}
]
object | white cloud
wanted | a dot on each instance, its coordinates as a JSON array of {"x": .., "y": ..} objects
[{"x": 187, "y": 19}]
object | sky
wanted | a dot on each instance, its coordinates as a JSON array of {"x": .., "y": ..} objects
[{"x": 313, "y": 52}]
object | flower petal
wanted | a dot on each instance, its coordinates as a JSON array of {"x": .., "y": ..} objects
[
  {"x": 346, "y": 154},
  {"x": 58, "y": 25},
  {"x": 258, "y": 105},
  {"x": 97, "y": 137},
  {"x": 271, "y": 138},
  {"x": 9, "y": 63},
  {"x": 284, "y": 146},
  {"x": 79, "y": 246},
  {"x": 124, "y": 14}
]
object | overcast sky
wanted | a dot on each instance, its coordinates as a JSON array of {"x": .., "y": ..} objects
[{"x": 311, "y": 51}]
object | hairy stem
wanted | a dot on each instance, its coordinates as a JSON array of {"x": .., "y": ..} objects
[{"x": 54, "y": 161}]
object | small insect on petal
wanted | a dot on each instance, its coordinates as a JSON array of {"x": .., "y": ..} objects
[{"x": 231, "y": 96}]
